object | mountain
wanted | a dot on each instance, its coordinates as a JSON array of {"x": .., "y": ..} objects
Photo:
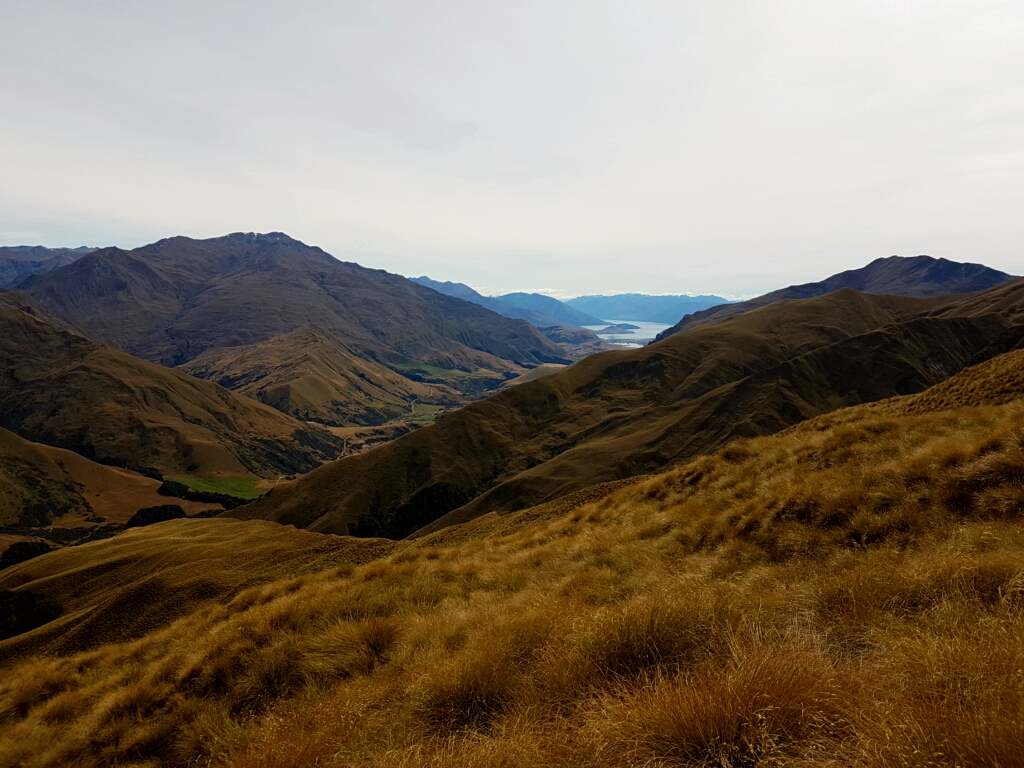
[
  {"x": 619, "y": 414},
  {"x": 309, "y": 375},
  {"x": 918, "y": 276},
  {"x": 19, "y": 262},
  {"x": 562, "y": 312},
  {"x": 173, "y": 300},
  {"x": 503, "y": 308},
  {"x": 61, "y": 389},
  {"x": 846, "y": 592},
  {"x": 643, "y": 307}
]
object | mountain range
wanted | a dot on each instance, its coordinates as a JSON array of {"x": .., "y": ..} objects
[
  {"x": 358, "y": 346},
  {"x": 643, "y": 307},
  {"x": 616, "y": 415},
  {"x": 918, "y": 276},
  {"x": 18, "y": 263}
]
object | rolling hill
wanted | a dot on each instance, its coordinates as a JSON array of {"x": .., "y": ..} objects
[
  {"x": 59, "y": 388},
  {"x": 19, "y": 262},
  {"x": 643, "y": 307},
  {"x": 173, "y": 300},
  {"x": 918, "y": 276},
  {"x": 620, "y": 414}
]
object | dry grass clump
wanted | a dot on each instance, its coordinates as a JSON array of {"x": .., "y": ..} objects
[{"x": 849, "y": 592}]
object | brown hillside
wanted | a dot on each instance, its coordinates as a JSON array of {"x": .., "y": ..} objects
[
  {"x": 171, "y": 301},
  {"x": 61, "y": 389},
  {"x": 849, "y": 592},
  {"x": 620, "y": 414},
  {"x": 144, "y": 578},
  {"x": 309, "y": 375},
  {"x": 918, "y": 276},
  {"x": 39, "y": 484}
]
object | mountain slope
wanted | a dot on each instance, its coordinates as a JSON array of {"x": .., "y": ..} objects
[
  {"x": 18, "y": 262},
  {"x": 308, "y": 375},
  {"x": 620, "y": 414},
  {"x": 171, "y": 301},
  {"x": 59, "y": 388},
  {"x": 562, "y": 312},
  {"x": 918, "y": 276},
  {"x": 643, "y": 307}
]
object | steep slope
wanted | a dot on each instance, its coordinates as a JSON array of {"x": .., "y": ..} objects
[
  {"x": 503, "y": 308},
  {"x": 918, "y": 276},
  {"x": 644, "y": 307},
  {"x": 59, "y": 388},
  {"x": 620, "y": 414},
  {"x": 19, "y": 262},
  {"x": 562, "y": 312},
  {"x": 310, "y": 376},
  {"x": 171, "y": 301}
]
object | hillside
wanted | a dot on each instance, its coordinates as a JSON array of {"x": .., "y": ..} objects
[
  {"x": 59, "y": 388},
  {"x": 309, "y": 375},
  {"x": 847, "y": 592},
  {"x": 173, "y": 300},
  {"x": 918, "y": 276},
  {"x": 40, "y": 484},
  {"x": 643, "y": 307},
  {"x": 620, "y": 414},
  {"x": 19, "y": 262}
]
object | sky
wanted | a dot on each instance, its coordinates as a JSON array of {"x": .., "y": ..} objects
[{"x": 573, "y": 147}]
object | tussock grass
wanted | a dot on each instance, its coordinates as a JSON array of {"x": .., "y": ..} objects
[{"x": 848, "y": 592}]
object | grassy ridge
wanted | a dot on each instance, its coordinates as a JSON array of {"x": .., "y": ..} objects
[{"x": 849, "y": 592}]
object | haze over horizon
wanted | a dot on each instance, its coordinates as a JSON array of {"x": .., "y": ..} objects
[{"x": 725, "y": 148}]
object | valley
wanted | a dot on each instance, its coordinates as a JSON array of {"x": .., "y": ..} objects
[{"x": 421, "y": 532}]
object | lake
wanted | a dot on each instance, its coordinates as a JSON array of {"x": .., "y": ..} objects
[{"x": 638, "y": 338}]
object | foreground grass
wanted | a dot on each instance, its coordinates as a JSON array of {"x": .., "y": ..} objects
[
  {"x": 850, "y": 592},
  {"x": 239, "y": 487}
]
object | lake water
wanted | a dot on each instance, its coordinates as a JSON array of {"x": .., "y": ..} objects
[{"x": 638, "y": 338}]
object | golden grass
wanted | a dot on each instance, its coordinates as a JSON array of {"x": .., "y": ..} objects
[{"x": 849, "y": 592}]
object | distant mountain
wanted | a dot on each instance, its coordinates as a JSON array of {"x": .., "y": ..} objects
[
  {"x": 562, "y": 312},
  {"x": 59, "y": 388},
  {"x": 173, "y": 300},
  {"x": 565, "y": 330},
  {"x": 621, "y": 414},
  {"x": 918, "y": 276},
  {"x": 464, "y": 292},
  {"x": 21, "y": 261},
  {"x": 311, "y": 376},
  {"x": 643, "y": 307}
]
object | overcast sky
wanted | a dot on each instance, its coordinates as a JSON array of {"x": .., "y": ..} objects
[{"x": 581, "y": 147}]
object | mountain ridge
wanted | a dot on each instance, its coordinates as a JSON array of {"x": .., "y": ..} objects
[{"x": 915, "y": 276}]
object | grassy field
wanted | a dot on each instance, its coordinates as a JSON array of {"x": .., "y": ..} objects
[
  {"x": 423, "y": 414},
  {"x": 240, "y": 487},
  {"x": 849, "y": 592}
]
